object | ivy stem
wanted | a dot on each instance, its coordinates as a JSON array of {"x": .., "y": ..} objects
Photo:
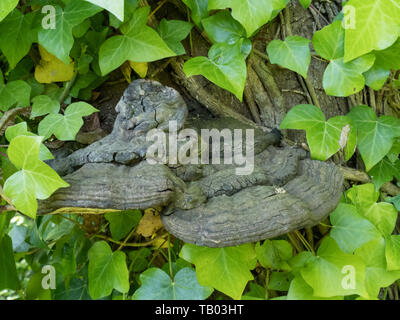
[
  {"x": 157, "y": 8},
  {"x": 126, "y": 239},
  {"x": 169, "y": 256},
  {"x": 64, "y": 95}
]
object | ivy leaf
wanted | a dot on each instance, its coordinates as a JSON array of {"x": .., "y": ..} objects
[
  {"x": 363, "y": 195},
  {"x": 325, "y": 274},
  {"x": 305, "y": 3},
  {"x": 376, "y": 77},
  {"x": 35, "y": 180},
  {"x": 389, "y": 58},
  {"x": 157, "y": 285},
  {"x": 252, "y": 14},
  {"x": 173, "y": 32},
  {"x": 384, "y": 172},
  {"x": 8, "y": 272},
  {"x": 329, "y": 42},
  {"x": 324, "y": 138},
  {"x": 221, "y": 27},
  {"x": 350, "y": 229},
  {"x": 375, "y": 136},
  {"x": 215, "y": 265},
  {"x": 274, "y": 254},
  {"x": 122, "y": 222},
  {"x": 293, "y": 54},
  {"x": 383, "y": 215},
  {"x": 59, "y": 41},
  {"x": 107, "y": 271},
  {"x": 65, "y": 127},
  {"x": 139, "y": 259},
  {"x": 280, "y": 281},
  {"x": 17, "y": 33},
  {"x": 392, "y": 252},
  {"x": 377, "y": 274},
  {"x": 300, "y": 290},
  {"x": 395, "y": 201},
  {"x": 138, "y": 43},
  {"x": 14, "y": 93},
  {"x": 199, "y": 9},
  {"x": 116, "y": 7},
  {"x": 42, "y": 105},
  {"x": 374, "y": 26},
  {"x": 343, "y": 79},
  {"x": 21, "y": 129},
  {"x": 225, "y": 66},
  {"x": 51, "y": 69},
  {"x": 6, "y": 6},
  {"x": 277, "y": 6}
]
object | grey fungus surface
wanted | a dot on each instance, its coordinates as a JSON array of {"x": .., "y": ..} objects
[{"x": 208, "y": 205}]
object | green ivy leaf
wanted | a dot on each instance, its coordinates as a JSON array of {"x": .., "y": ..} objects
[
  {"x": 252, "y": 14},
  {"x": 324, "y": 138},
  {"x": 122, "y": 222},
  {"x": 6, "y": 6},
  {"x": 277, "y": 6},
  {"x": 14, "y": 93},
  {"x": 384, "y": 172},
  {"x": 65, "y": 127},
  {"x": 376, "y": 77},
  {"x": 394, "y": 152},
  {"x": 305, "y": 3},
  {"x": 395, "y": 201},
  {"x": 221, "y": 27},
  {"x": 157, "y": 285},
  {"x": 21, "y": 129},
  {"x": 373, "y": 26},
  {"x": 325, "y": 273},
  {"x": 274, "y": 254},
  {"x": 363, "y": 195},
  {"x": 107, "y": 271},
  {"x": 59, "y": 41},
  {"x": 375, "y": 136},
  {"x": 343, "y": 79},
  {"x": 376, "y": 276},
  {"x": 256, "y": 292},
  {"x": 225, "y": 66},
  {"x": 138, "y": 259},
  {"x": 329, "y": 42},
  {"x": 389, "y": 58},
  {"x": 215, "y": 265},
  {"x": 199, "y": 10},
  {"x": 293, "y": 54},
  {"x": 350, "y": 229},
  {"x": 392, "y": 252},
  {"x": 173, "y": 32},
  {"x": 35, "y": 180},
  {"x": 8, "y": 272},
  {"x": 17, "y": 33},
  {"x": 42, "y": 105},
  {"x": 300, "y": 290},
  {"x": 138, "y": 43},
  {"x": 116, "y": 7},
  {"x": 280, "y": 281},
  {"x": 383, "y": 215}
]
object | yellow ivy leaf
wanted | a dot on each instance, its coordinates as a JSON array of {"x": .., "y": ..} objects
[
  {"x": 140, "y": 68},
  {"x": 126, "y": 71},
  {"x": 51, "y": 69},
  {"x": 150, "y": 223}
]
